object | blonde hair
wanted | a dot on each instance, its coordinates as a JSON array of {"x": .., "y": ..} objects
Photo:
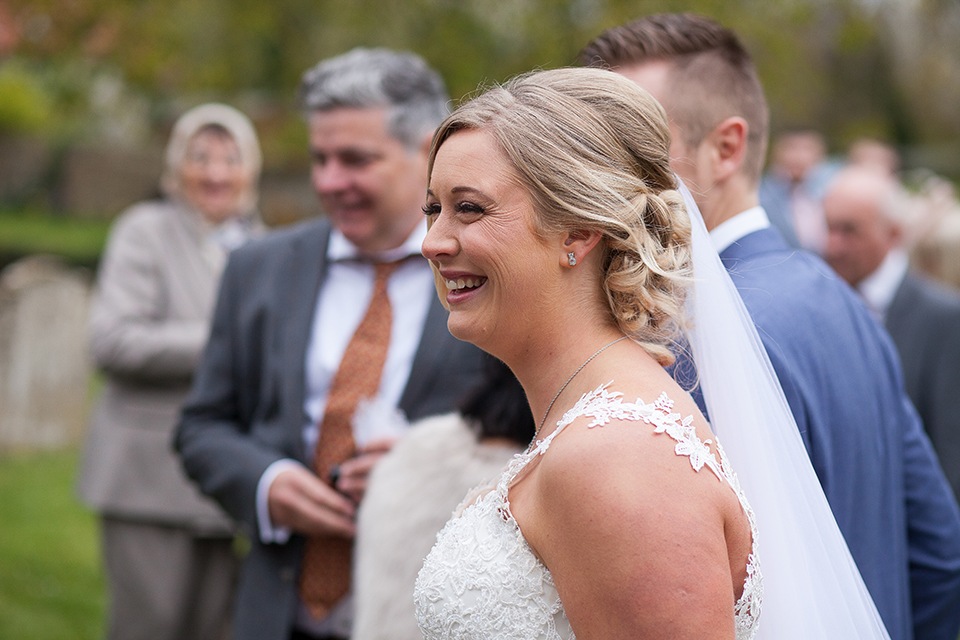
[{"x": 592, "y": 148}]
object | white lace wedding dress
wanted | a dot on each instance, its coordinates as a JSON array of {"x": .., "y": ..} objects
[{"x": 482, "y": 581}]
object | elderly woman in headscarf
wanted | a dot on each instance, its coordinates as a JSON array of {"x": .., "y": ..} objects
[{"x": 168, "y": 552}]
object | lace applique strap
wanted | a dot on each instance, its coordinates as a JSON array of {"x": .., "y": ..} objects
[{"x": 603, "y": 405}]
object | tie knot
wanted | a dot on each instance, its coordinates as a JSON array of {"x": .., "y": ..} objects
[{"x": 383, "y": 270}]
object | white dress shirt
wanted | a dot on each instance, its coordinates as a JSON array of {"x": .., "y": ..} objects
[
  {"x": 340, "y": 306},
  {"x": 740, "y": 225},
  {"x": 879, "y": 287}
]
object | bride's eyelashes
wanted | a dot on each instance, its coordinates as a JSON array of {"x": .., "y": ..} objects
[
  {"x": 469, "y": 210},
  {"x": 464, "y": 207}
]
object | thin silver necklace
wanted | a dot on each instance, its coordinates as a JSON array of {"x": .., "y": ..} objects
[{"x": 570, "y": 379}]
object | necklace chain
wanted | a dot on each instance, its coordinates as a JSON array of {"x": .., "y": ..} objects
[{"x": 570, "y": 379}]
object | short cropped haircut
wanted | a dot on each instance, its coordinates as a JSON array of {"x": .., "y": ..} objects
[
  {"x": 712, "y": 75},
  {"x": 413, "y": 93}
]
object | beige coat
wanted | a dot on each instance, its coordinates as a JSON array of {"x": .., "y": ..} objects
[{"x": 149, "y": 323}]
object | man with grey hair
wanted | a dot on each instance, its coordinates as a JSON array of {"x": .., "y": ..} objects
[
  {"x": 866, "y": 222},
  {"x": 322, "y": 335}
]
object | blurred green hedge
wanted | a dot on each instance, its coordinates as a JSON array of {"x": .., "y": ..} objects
[{"x": 78, "y": 241}]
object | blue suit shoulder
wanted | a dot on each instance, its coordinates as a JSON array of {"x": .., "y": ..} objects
[
  {"x": 791, "y": 292},
  {"x": 842, "y": 378},
  {"x": 770, "y": 272}
]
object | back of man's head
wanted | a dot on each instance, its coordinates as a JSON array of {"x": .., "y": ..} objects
[
  {"x": 402, "y": 82},
  {"x": 712, "y": 76}
]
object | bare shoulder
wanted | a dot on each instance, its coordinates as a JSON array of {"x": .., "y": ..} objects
[
  {"x": 621, "y": 520},
  {"x": 630, "y": 463}
]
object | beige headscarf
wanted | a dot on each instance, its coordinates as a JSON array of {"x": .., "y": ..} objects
[{"x": 240, "y": 129}]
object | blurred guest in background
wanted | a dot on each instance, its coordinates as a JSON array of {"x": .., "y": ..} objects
[
  {"x": 167, "y": 551},
  {"x": 874, "y": 153},
  {"x": 791, "y": 189},
  {"x": 415, "y": 489},
  {"x": 926, "y": 206},
  {"x": 866, "y": 220}
]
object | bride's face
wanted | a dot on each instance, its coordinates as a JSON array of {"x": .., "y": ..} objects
[{"x": 482, "y": 240}]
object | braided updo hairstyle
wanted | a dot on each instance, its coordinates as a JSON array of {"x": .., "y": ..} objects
[{"x": 593, "y": 149}]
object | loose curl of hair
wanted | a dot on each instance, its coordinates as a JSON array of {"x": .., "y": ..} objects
[{"x": 593, "y": 150}]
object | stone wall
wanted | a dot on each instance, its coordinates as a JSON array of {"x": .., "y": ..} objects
[
  {"x": 24, "y": 166},
  {"x": 100, "y": 181}
]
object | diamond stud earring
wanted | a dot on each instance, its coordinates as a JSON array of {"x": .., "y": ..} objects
[{"x": 572, "y": 259}]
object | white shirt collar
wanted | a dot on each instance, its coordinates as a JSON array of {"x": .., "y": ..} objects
[
  {"x": 339, "y": 248},
  {"x": 880, "y": 286},
  {"x": 744, "y": 223}
]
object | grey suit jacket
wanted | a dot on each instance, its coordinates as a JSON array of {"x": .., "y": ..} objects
[
  {"x": 149, "y": 321},
  {"x": 924, "y": 321},
  {"x": 246, "y": 408}
]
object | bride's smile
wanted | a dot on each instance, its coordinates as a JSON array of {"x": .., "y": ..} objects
[{"x": 485, "y": 247}]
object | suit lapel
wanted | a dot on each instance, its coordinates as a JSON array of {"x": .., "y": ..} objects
[
  {"x": 898, "y": 313},
  {"x": 432, "y": 347},
  {"x": 299, "y": 283}
]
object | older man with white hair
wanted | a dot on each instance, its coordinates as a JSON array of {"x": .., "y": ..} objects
[{"x": 867, "y": 221}]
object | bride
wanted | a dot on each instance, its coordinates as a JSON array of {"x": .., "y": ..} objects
[{"x": 563, "y": 246}]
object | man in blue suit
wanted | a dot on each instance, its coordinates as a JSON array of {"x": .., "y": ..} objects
[{"x": 837, "y": 366}]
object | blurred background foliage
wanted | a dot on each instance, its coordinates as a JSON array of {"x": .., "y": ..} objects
[{"x": 119, "y": 71}]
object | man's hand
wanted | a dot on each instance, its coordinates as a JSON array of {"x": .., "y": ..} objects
[
  {"x": 355, "y": 472},
  {"x": 298, "y": 499}
]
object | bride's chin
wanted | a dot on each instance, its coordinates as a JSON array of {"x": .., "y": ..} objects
[
  {"x": 458, "y": 330},
  {"x": 467, "y": 332}
]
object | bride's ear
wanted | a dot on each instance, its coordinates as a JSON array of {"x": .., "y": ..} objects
[{"x": 577, "y": 245}]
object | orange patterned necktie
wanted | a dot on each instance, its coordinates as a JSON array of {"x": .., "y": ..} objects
[{"x": 325, "y": 573}]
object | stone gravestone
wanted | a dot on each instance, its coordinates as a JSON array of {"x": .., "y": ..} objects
[{"x": 44, "y": 364}]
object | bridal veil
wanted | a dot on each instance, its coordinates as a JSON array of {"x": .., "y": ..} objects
[{"x": 812, "y": 588}]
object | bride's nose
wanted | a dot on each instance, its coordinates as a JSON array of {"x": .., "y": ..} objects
[{"x": 440, "y": 241}]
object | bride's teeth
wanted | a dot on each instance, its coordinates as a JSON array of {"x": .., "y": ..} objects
[{"x": 463, "y": 283}]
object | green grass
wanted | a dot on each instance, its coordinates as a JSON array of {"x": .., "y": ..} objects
[
  {"x": 78, "y": 240},
  {"x": 51, "y": 583}
]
